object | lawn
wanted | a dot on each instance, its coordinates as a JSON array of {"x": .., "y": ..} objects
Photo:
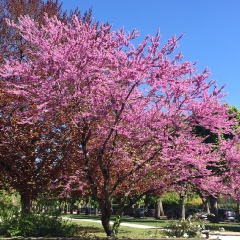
[
  {"x": 94, "y": 229},
  {"x": 228, "y": 226}
]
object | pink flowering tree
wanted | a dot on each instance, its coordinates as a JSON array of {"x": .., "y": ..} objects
[
  {"x": 225, "y": 169},
  {"x": 232, "y": 175},
  {"x": 131, "y": 110}
]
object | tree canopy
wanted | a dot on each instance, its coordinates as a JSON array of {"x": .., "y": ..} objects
[{"x": 130, "y": 111}]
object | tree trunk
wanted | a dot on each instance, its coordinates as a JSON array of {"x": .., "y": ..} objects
[
  {"x": 106, "y": 210},
  {"x": 182, "y": 207},
  {"x": 25, "y": 202},
  {"x": 65, "y": 208},
  {"x": 147, "y": 202},
  {"x": 206, "y": 206},
  {"x": 214, "y": 208},
  {"x": 105, "y": 218},
  {"x": 86, "y": 207},
  {"x": 159, "y": 209},
  {"x": 96, "y": 211},
  {"x": 71, "y": 206}
]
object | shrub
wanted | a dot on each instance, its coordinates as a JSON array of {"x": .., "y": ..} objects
[
  {"x": 184, "y": 229},
  {"x": 9, "y": 205},
  {"x": 37, "y": 225},
  {"x": 170, "y": 200},
  {"x": 195, "y": 202}
]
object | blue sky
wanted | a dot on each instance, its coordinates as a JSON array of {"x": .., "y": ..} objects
[{"x": 211, "y": 30}]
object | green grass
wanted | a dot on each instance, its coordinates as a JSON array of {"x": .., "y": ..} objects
[
  {"x": 230, "y": 227},
  {"x": 94, "y": 229}
]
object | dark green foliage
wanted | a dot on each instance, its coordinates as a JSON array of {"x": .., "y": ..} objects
[
  {"x": 37, "y": 225},
  {"x": 205, "y": 133}
]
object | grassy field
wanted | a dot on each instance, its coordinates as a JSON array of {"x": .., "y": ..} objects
[
  {"x": 95, "y": 229},
  {"x": 92, "y": 229},
  {"x": 229, "y": 227}
]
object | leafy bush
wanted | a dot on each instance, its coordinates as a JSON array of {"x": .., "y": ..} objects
[
  {"x": 37, "y": 225},
  {"x": 170, "y": 200},
  {"x": 195, "y": 202},
  {"x": 228, "y": 205},
  {"x": 9, "y": 205},
  {"x": 184, "y": 229}
]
